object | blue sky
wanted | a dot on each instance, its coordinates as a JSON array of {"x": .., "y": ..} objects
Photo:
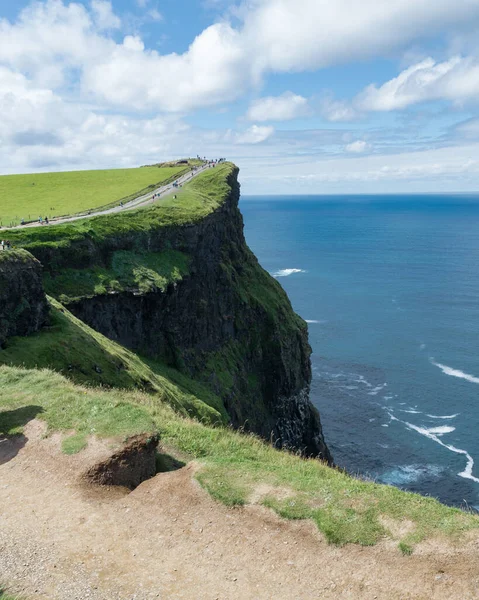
[{"x": 306, "y": 96}]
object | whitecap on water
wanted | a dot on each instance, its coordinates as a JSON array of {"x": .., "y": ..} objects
[
  {"x": 455, "y": 372},
  {"x": 443, "y": 417},
  {"x": 433, "y": 433},
  {"x": 287, "y": 272}
]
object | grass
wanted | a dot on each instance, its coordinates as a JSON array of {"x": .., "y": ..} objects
[
  {"x": 5, "y": 596},
  {"x": 59, "y": 194},
  {"x": 232, "y": 465},
  {"x": 70, "y": 347},
  {"x": 142, "y": 272},
  {"x": 81, "y": 244}
]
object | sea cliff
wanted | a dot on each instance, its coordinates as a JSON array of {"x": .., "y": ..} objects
[{"x": 177, "y": 283}]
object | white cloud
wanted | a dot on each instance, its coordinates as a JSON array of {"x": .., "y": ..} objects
[
  {"x": 357, "y": 147},
  {"x": 456, "y": 79},
  {"x": 337, "y": 111},
  {"x": 278, "y": 108},
  {"x": 104, "y": 15},
  {"x": 293, "y": 35},
  {"x": 254, "y": 135},
  {"x": 155, "y": 15},
  {"x": 53, "y": 41}
]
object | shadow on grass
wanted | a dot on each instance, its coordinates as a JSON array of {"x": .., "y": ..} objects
[{"x": 10, "y": 442}]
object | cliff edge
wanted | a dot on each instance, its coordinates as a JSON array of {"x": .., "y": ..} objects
[{"x": 177, "y": 283}]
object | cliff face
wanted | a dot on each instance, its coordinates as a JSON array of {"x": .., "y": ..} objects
[
  {"x": 226, "y": 322},
  {"x": 23, "y": 305}
]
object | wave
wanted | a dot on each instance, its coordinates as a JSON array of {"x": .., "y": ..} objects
[
  {"x": 375, "y": 391},
  {"x": 409, "y": 474},
  {"x": 433, "y": 435},
  {"x": 455, "y": 372},
  {"x": 411, "y": 411},
  {"x": 287, "y": 272},
  {"x": 440, "y": 430},
  {"x": 315, "y": 321},
  {"x": 443, "y": 417}
]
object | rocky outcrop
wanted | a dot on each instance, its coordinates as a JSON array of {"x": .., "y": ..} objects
[{"x": 23, "y": 304}]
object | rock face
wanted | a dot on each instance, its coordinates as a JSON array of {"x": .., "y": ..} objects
[
  {"x": 228, "y": 323},
  {"x": 23, "y": 304},
  {"x": 133, "y": 464}
]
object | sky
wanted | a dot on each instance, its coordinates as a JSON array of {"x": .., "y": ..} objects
[{"x": 305, "y": 96}]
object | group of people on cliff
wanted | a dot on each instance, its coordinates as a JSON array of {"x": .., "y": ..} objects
[{"x": 5, "y": 245}]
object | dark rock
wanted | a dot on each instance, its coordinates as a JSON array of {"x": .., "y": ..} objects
[{"x": 23, "y": 304}]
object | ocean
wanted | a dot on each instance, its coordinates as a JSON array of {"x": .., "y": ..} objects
[{"x": 390, "y": 288}]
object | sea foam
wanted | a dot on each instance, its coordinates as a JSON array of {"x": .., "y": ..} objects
[
  {"x": 287, "y": 272},
  {"x": 443, "y": 416},
  {"x": 455, "y": 372},
  {"x": 432, "y": 434}
]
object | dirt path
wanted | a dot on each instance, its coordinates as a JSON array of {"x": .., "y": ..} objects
[
  {"x": 168, "y": 539},
  {"x": 159, "y": 193}
]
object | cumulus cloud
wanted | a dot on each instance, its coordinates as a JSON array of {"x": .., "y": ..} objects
[
  {"x": 357, "y": 147},
  {"x": 254, "y": 135},
  {"x": 278, "y": 108},
  {"x": 456, "y": 79},
  {"x": 104, "y": 15},
  {"x": 53, "y": 41}
]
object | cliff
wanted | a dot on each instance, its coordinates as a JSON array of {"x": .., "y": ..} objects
[
  {"x": 178, "y": 283},
  {"x": 23, "y": 305}
]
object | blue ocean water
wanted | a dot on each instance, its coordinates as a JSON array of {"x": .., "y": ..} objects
[{"x": 390, "y": 288}]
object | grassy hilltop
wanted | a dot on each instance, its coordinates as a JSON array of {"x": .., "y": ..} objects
[
  {"x": 83, "y": 384},
  {"x": 59, "y": 194}
]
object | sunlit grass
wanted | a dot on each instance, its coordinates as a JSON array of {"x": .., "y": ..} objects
[{"x": 59, "y": 194}]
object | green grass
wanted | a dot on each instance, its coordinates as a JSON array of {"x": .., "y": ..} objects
[
  {"x": 70, "y": 244},
  {"x": 5, "y": 596},
  {"x": 72, "y": 348},
  {"x": 232, "y": 465},
  {"x": 406, "y": 549},
  {"x": 59, "y": 194},
  {"x": 142, "y": 272}
]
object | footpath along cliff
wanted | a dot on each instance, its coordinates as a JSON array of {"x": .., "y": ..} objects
[{"x": 177, "y": 283}]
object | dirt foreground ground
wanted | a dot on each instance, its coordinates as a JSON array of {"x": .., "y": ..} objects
[{"x": 63, "y": 540}]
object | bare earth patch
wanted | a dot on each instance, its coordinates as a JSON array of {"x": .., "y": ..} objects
[{"x": 169, "y": 539}]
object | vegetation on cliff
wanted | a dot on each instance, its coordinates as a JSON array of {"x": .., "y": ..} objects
[{"x": 85, "y": 356}]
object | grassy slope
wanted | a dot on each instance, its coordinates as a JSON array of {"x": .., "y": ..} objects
[
  {"x": 345, "y": 509},
  {"x": 70, "y": 347},
  {"x": 194, "y": 201},
  {"x": 58, "y": 194}
]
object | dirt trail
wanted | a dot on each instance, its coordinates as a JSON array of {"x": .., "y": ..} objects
[{"x": 60, "y": 540}]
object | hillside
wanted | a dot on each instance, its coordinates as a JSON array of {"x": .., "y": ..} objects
[
  {"x": 57, "y": 194},
  {"x": 161, "y": 322}
]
